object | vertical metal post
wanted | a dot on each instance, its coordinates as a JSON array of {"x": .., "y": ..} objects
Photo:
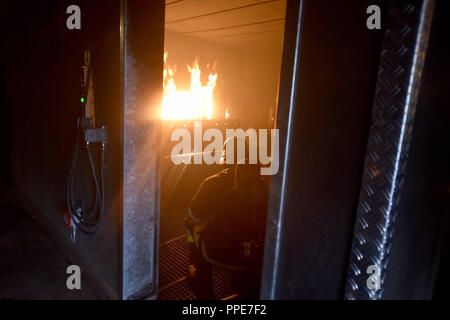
[
  {"x": 400, "y": 70},
  {"x": 285, "y": 115},
  {"x": 143, "y": 48}
]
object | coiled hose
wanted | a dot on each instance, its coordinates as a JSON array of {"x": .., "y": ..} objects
[{"x": 86, "y": 222}]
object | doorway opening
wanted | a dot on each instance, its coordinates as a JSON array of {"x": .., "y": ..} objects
[{"x": 221, "y": 71}]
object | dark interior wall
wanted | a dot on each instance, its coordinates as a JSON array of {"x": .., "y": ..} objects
[
  {"x": 333, "y": 95},
  {"x": 5, "y": 169},
  {"x": 42, "y": 62}
]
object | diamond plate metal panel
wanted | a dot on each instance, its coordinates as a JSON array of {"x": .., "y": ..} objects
[{"x": 399, "y": 74}]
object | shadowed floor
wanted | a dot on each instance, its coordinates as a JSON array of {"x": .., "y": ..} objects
[{"x": 31, "y": 265}]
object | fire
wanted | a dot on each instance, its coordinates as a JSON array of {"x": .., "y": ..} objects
[{"x": 196, "y": 103}]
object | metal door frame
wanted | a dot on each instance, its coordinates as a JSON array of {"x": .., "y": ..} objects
[{"x": 142, "y": 48}]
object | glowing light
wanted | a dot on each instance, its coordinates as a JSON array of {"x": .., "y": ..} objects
[
  {"x": 195, "y": 103},
  {"x": 82, "y": 100}
]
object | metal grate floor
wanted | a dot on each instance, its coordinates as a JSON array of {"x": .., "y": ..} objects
[
  {"x": 172, "y": 226},
  {"x": 173, "y": 263}
]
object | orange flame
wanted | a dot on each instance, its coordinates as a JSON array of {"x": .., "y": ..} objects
[{"x": 196, "y": 103}]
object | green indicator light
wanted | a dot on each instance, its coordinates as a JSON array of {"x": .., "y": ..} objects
[{"x": 82, "y": 99}]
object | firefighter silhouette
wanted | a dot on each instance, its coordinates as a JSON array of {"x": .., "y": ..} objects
[{"x": 225, "y": 225}]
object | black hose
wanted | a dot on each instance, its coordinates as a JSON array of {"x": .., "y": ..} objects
[{"x": 87, "y": 222}]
